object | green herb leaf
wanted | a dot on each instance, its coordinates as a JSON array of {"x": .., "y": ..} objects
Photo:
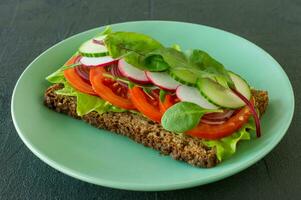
[
  {"x": 183, "y": 116},
  {"x": 155, "y": 63},
  {"x": 132, "y": 46},
  {"x": 162, "y": 95},
  {"x": 146, "y": 53},
  {"x": 198, "y": 62},
  {"x": 208, "y": 67},
  {"x": 170, "y": 56}
]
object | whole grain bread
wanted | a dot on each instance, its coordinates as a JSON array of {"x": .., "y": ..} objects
[{"x": 144, "y": 131}]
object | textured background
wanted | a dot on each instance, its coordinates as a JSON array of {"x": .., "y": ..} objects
[{"x": 29, "y": 27}]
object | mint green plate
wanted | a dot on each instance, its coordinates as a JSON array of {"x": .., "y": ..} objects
[{"x": 97, "y": 156}]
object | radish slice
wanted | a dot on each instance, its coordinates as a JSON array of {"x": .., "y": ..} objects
[
  {"x": 191, "y": 94},
  {"x": 99, "y": 40},
  {"x": 163, "y": 80},
  {"x": 97, "y": 62},
  {"x": 132, "y": 73}
]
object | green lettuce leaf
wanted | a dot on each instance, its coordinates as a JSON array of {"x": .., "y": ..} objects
[
  {"x": 87, "y": 103},
  {"x": 226, "y": 146},
  {"x": 58, "y": 75}
]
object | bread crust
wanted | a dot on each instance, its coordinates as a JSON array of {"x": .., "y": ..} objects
[{"x": 145, "y": 131}]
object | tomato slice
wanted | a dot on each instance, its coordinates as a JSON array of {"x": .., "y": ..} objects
[
  {"x": 75, "y": 80},
  {"x": 147, "y": 106},
  {"x": 169, "y": 101},
  {"x": 207, "y": 131},
  {"x": 109, "y": 89},
  {"x": 72, "y": 60}
]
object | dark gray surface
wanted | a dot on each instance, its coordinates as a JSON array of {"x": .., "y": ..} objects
[{"x": 29, "y": 27}]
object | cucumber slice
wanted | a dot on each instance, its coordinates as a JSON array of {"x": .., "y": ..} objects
[
  {"x": 193, "y": 95},
  {"x": 92, "y": 49},
  {"x": 183, "y": 76},
  {"x": 224, "y": 97}
]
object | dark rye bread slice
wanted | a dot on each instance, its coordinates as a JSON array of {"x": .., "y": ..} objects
[{"x": 144, "y": 131}]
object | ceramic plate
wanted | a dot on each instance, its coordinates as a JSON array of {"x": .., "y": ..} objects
[{"x": 97, "y": 156}]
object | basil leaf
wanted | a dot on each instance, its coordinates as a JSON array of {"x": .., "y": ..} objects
[{"x": 183, "y": 116}]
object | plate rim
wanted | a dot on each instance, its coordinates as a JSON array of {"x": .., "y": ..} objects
[{"x": 150, "y": 187}]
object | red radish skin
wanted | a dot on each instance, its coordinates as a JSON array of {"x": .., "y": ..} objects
[
  {"x": 83, "y": 72},
  {"x": 100, "y": 42},
  {"x": 116, "y": 73},
  {"x": 206, "y": 121},
  {"x": 168, "y": 83},
  {"x": 132, "y": 73},
  {"x": 252, "y": 109},
  {"x": 219, "y": 116}
]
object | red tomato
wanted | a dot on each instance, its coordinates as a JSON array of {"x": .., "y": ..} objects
[
  {"x": 72, "y": 60},
  {"x": 109, "y": 89},
  {"x": 169, "y": 101},
  {"x": 145, "y": 104},
  {"x": 207, "y": 131},
  {"x": 75, "y": 80}
]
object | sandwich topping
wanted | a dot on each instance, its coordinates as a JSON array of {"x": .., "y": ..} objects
[{"x": 187, "y": 92}]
